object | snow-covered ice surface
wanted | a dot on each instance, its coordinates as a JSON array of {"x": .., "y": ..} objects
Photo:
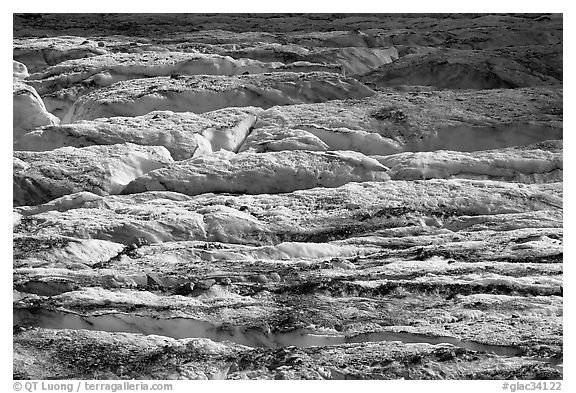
[
  {"x": 62, "y": 84},
  {"x": 113, "y": 67},
  {"x": 526, "y": 165},
  {"x": 353, "y": 60},
  {"x": 254, "y": 173},
  {"x": 28, "y": 110},
  {"x": 184, "y": 134},
  {"x": 203, "y": 93},
  {"x": 297, "y": 196},
  {"x": 20, "y": 71},
  {"x": 39, "y": 53},
  {"x": 42, "y": 176}
]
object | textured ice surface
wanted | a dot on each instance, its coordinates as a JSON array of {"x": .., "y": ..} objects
[
  {"x": 184, "y": 134},
  {"x": 28, "y": 110},
  {"x": 286, "y": 186},
  {"x": 42, "y": 176},
  {"x": 203, "y": 93},
  {"x": 526, "y": 165},
  {"x": 261, "y": 173}
]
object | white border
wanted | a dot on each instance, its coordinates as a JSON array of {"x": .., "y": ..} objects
[{"x": 246, "y": 6}]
